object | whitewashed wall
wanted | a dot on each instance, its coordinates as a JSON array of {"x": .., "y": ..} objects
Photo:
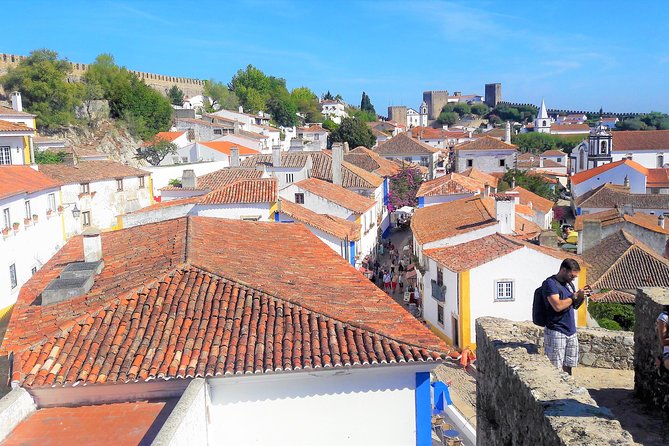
[
  {"x": 438, "y": 199},
  {"x": 161, "y": 175},
  {"x": 484, "y": 160},
  {"x": 616, "y": 176},
  {"x": 33, "y": 245},
  {"x": 647, "y": 158},
  {"x": 451, "y": 302},
  {"x": 233, "y": 211},
  {"x": 325, "y": 407},
  {"x": 317, "y": 203},
  {"x": 15, "y": 143}
]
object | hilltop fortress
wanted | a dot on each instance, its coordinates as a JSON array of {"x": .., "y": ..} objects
[{"x": 190, "y": 87}]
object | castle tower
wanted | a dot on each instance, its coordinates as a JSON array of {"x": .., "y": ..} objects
[
  {"x": 493, "y": 94},
  {"x": 435, "y": 100},
  {"x": 542, "y": 123},
  {"x": 422, "y": 120}
]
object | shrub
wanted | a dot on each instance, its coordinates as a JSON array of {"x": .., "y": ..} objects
[
  {"x": 609, "y": 324},
  {"x": 620, "y": 314}
]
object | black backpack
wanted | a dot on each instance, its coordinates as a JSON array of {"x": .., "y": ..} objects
[{"x": 539, "y": 307}]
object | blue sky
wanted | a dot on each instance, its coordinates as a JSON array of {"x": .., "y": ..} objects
[{"x": 580, "y": 55}]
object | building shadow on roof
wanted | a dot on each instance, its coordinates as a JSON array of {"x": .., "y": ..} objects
[{"x": 158, "y": 423}]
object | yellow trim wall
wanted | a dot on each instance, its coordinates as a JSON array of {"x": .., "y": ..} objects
[
  {"x": 62, "y": 215},
  {"x": 26, "y": 150},
  {"x": 582, "y": 313},
  {"x": 439, "y": 333},
  {"x": 465, "y": 310}
]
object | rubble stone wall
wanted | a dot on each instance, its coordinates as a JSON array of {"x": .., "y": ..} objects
[
  {"x": 649, "y": 386},
  {"x": 523, "y": 400}
]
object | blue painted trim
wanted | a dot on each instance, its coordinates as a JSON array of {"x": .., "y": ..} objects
[
  {"x": 578, "y": 211},
  {"x": 385, "y": 191},
  {"x": 276, "y": 216},
  {"x": 421, "y": 202},
  {"x": 442, "y": 396},
  {"x": 386, "y": 233},
  {"x": 423, "y": 410},
  {"x": 352, "y": 253}
]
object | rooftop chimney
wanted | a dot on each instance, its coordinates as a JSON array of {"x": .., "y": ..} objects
[
  {"x": 541, "y": 161},
  {"x": 660, "y": 221},
  {"x": 241, "y": 109},
  {"x": 188, "y": 179},
  {"x": 337, "y": 157},
  {"x": 591, "y": 234},
  {"x": 236, "y": 128},
  {"x": 17, "y": 104},
  {"x": 507, "y": 133},
  {"x": 276, "y": 156},
  {"x": 548, "y": 238},
  {"x": 234, "y": 156},
  {"x": 505, "y": 209},
  {"x": 346, "y": 147},
  {"x": 92, "y": 245}
]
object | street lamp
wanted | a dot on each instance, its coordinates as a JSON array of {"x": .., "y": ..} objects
[{"x": 76, "y": 212}]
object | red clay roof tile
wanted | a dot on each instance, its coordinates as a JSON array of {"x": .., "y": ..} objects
[
  {"x": 630, "y": 140},
  {"x": 16, "y": 180},
  {"x": 337, "y": 194},
  {"x": 87, "y": 171},
  {"x": 262, "y": 190},
  {"x": 339, "y": 227}
]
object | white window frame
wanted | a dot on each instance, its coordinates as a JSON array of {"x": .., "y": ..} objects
[
  {"x": 504, "y": 290},
  {"x": 289, "y": 178},
  {"x": 12, "y": 276},
  {"x": 142, "y": 184},
  {"x": 85, "y": 188},
  {"x": 5, "y": 155},
  {"x": 119, "y": 185},
  {"x": 86, "y": 218},
  {"x": 28, "y": 210},
  {"x": 299, "y": 198},
  {"x": 52, "y": 201},
  {"x": 7, "y": 217},
  {"x": 440, "y": 308}
]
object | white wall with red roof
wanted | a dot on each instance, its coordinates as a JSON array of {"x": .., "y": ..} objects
[{"x": 615, "y": 175}]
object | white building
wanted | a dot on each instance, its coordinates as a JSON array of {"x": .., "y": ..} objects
[
  {"x": 210, "y": 151},
  {"x": 450, "y": 187},
  {"x": 101, "y": 191},
  {"x": 17, "y": 129},
  {"x": 314, "y": 134},
  {"x": 542, "y": 123},
  {"x": 622, "y": 172},
  {"x": 413, "y": 118},
  {"x": 31, "y": 227},
  {"x": 486, "y": 154},
  {"x": 255, "y": 351},
  {"x": 333, "y": 110},
  {"x": 179, "y": 139},
  {"x": 466, "y": 248},
  {"x": 404, "y": 148}
]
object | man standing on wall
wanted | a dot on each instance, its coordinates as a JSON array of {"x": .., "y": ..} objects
[{"x": 560, "y": 341}]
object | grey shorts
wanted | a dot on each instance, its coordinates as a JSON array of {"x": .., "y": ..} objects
[{"x": 562, "y": 350}]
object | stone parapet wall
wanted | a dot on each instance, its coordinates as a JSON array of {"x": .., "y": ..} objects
[
  {"x": 650, "y": 387},
  {"x": 162, "y": 83},
  {"x": 523, "y": 400},
  {"x": 598, "y": 347}
]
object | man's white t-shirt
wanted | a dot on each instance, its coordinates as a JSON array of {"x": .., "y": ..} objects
[{"x": 664, "y": 317}]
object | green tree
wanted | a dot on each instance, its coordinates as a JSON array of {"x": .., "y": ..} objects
[
  {"x": 448, "y": 117},
  {"x": 353, "y": 131},
  {"x": 145, "y": 111},
  {"x": 366, "y": 105},
  {"x": 252, "y": 87},
  {"x": 42, "y": 80},
  {"x": 533, "y": 183},
  {"x": 176, "y": 96},
  {"x": 480, "y": 109},
  {"x": 155, "y": 151},
  {"x": 462, "y": 108},
  {"x": 48, "y": 157},
  {"x": 327, "y": 96},
  {"x": 221, "y": 95},
  {"x": 307, "y": 103},
  {"x": 362, "y": 115},
  {"x": 534, "y": 142},
  {"x": 282, "y": 109},
  {"x": 330, "y": 125},
  {"x": 622, "y": 315}
]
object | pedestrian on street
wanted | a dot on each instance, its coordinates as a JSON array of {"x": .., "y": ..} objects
[
  {"x": 393, "y": 281},
  {"x": 400, "y": 281},
  {"x": 386, "y": 282}
]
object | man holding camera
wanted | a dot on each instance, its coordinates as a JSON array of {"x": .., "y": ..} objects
[{"x": 560, "y": 341}]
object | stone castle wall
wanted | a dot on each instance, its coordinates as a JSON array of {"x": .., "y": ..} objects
[
  {"x": 162, "y": 83},
  {"x": 522, "y": 399},
  {"x": 650, "y": 387}
]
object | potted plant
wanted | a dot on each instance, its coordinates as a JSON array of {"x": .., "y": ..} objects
[
  {"x": 15, "y": 226},
  {"x": 35, "y": 217},
  {"x": 26, "y": 221},
  {"x": 5, "y": 232},
  {"x": 48, "y": 213},
  {"x": 60, "y": 209}
]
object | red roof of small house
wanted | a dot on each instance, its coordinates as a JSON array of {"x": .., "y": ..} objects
[
  {"x": 201, "y": 296},
  {"x": 339, "y": 227},
  {"x": 88, "y": 171},
  {"x": 486, "y": 143},
  {"x": 450, "y": 184},
  {"x": 591, "y": 173},
  {"x": 262, "y": 190},
  {"x": 337, "y": 194},
  {"x": 574, "y": 128},
  {"x": 224, "y": 147},
  {"x": 658, "y": 177},
  {"x": 487, "y": 179},
  {"x": 10, "y": 127},
  {"x": 630, "y": 140},
  {"x": 168, "y": 136},
  {"x": 15, "y": 180},
  {"x": 533, "y": 200}
]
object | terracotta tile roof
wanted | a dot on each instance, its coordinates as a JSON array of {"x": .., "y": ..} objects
[
  {"x": 657, "y": 177},
  {"x": 614, "y": 296},
  {"x": 168, "y": 204},
  {"x": 352, "y": 176},
  {"x": 630, "y": 140},
  {"x": 591, "y": 173},
  {"x": 445, "y": 220},
  {"x": 218, "y": 118},
  {"x": 622, "y": 262},
  {"x": 184, "y": 298},
  {"x": 15, "y": 180},
  {"x": 224, "y": 147},
  {"x": 485, "y": 143},
  {"x": 533, "y": 200},
  {"x": 252, "y": 135},
  {"x": 466, "y": 256},
  {"x": 494, "y": 133},
  {"x": 88, "y": 171},
  {"x": 403, "y": 144},
  {"x": 10, "y": 127},
  {"x": 8, "y": 111},
  {"x": 612, "y": 195},
  {"x": 167, "y": 136},
  {"x": 558, "y": 153},
  {"x": 263, "y": 190},
  {"x": 613, "y": 216},
  {"x": 525, "y": 229},
  {"x": 576, "y": 128},
  {"x": 487, "y": 179},
  {"x": 288, "y": 159},
  {"x": 430, "y": 133},
  {"x": 525, "y": 210},
  {"x": 222, "y": 177},
  {"x": 371, "y": 161},
  {"x": 450, "y": 184},
  {"x": 314, "y": 128},
  {"x": 339, "y": 227},
  {"x": 337, "y": 194},
  {"x": 102, "y": 424}
]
